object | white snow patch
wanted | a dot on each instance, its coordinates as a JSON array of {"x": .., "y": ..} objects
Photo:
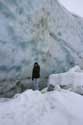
[{"x": 34, "y": 108}]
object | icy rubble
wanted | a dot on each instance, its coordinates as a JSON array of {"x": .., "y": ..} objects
[{"x": 73, "y": 80}]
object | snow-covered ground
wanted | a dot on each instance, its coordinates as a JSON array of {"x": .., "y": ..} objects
[
  {"x": 58, "y": 107},
  {"x": 51, "y": 108}
]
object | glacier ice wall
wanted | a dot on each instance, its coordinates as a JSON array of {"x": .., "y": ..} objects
[{"x": 39, "y": 30}]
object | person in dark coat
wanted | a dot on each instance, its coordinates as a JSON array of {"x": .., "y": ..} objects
[{"x": 36, "y": 75}]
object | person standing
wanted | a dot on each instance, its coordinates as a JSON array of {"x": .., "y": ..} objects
[{"x": 36, "y": 75}]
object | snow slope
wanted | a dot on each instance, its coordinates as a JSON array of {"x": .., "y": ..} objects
[
  {"x": 39, "y": 30},
  {"x": 34, "y": 108}
]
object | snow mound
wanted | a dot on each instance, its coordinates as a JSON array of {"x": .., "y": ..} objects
[
  {"x": 76, "y": 69},
  {"x": 72, "y": 79},
  {"x": 34, "y": 108}
]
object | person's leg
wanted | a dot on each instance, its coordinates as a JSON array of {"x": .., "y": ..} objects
[
  {"x": 37, "y": 84},
  {"x": 34, "y": 84}
]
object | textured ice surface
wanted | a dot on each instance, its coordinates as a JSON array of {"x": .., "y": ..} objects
[{"x": 39, "y": 30}]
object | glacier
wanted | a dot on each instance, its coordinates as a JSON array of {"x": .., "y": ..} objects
[
  {"x": 39, "y": 30},
  {"x": 46, "y": 32}
]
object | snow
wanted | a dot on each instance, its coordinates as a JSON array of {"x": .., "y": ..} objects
[
  {"x": 72, "y": 79},
  {"x": 34, "y": 108},
  {"x": 58, "y": 107},
  {"x": 75, "y": 69}
]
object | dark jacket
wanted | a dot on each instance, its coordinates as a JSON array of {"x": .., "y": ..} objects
[{"x": 36, "y": 72}]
